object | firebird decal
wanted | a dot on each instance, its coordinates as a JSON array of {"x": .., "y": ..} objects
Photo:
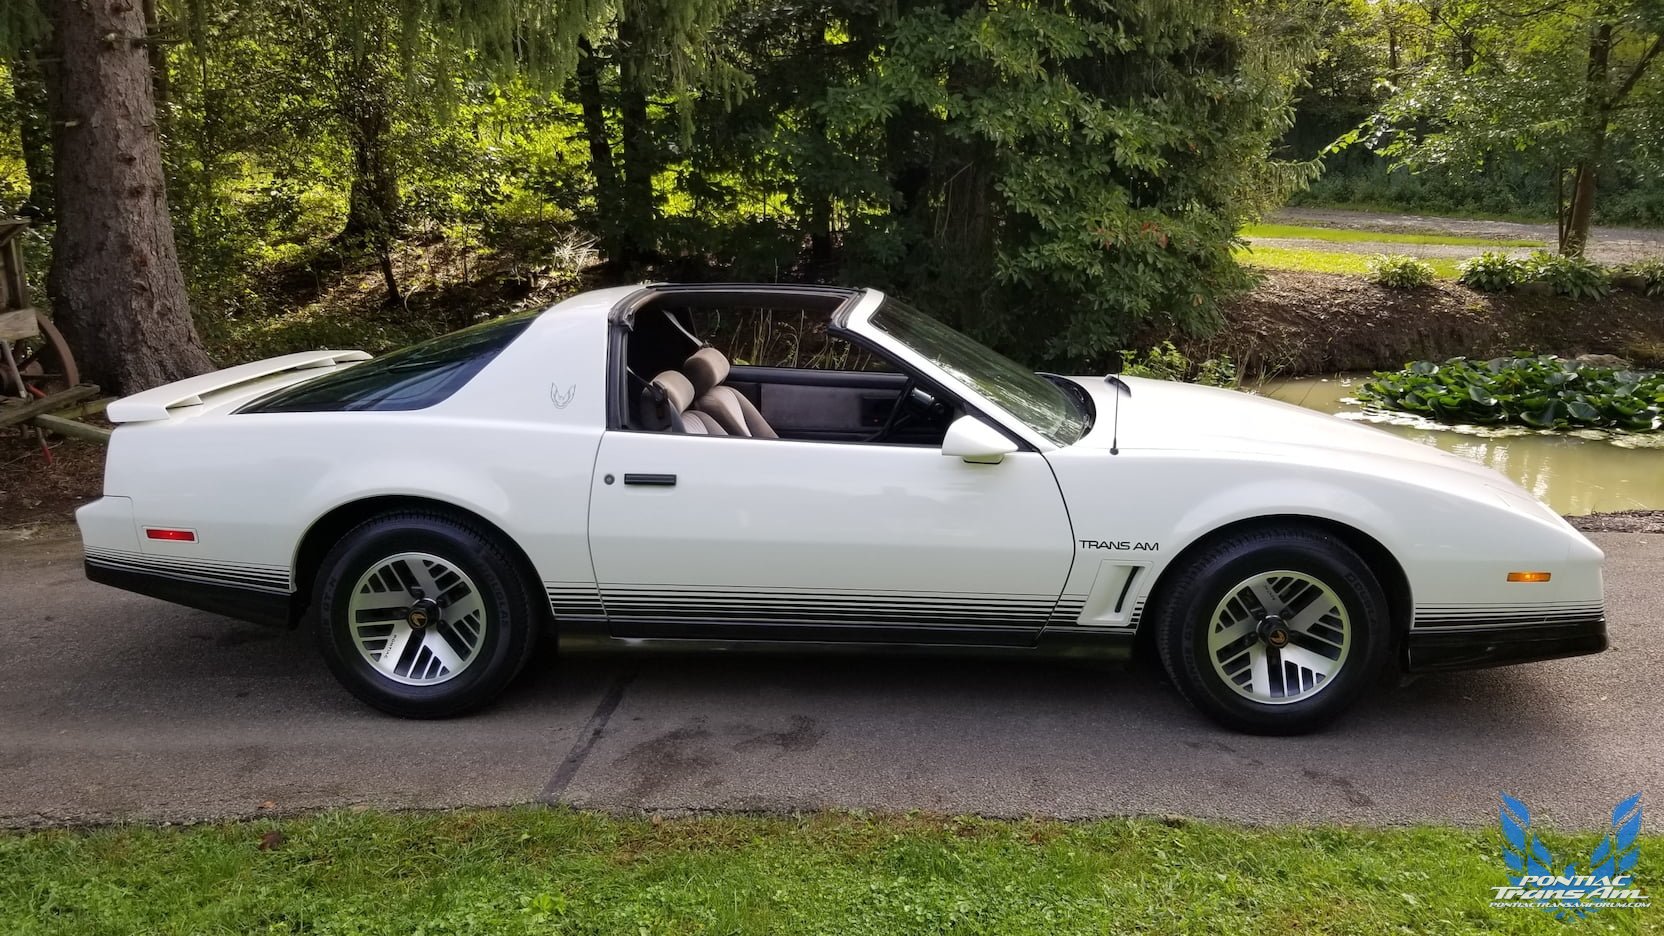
[{"x": 562, "y": 400}]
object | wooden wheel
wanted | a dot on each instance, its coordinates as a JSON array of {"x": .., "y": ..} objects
[{"x": 44, "y": 361}]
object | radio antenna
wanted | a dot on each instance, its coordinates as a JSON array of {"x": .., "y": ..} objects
[{"x": 1121, "y": 389}]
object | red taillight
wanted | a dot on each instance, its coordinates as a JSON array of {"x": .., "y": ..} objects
[{"x": 177, "y": 536}]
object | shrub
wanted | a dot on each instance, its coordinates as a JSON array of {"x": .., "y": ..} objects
[
  {"x": 1648, "y": 273},
  {"x": 1166, "y": 362},
  {"x": 1397, "y": 271},
  {"x": 1569, "y": 276},
  {"x": 1491, "y": 271},
  {"x": 1545, "y": 392}
]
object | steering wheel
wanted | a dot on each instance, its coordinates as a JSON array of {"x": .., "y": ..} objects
[{"x": 899, "y": 415}]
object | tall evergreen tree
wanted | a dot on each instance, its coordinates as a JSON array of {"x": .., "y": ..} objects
[{"x": 115, "y": 285}]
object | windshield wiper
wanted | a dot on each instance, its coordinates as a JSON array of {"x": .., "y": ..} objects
[{"x": 1077, "y": 395}]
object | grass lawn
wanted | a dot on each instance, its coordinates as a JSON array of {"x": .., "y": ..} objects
[
  {"x": 1347, "y": 235},
  {"x": 532, "y": 870},
  {"x": 1326, "y": 261}
]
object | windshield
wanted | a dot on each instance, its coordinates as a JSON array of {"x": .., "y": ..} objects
[{"x": 1033, "y": 399}]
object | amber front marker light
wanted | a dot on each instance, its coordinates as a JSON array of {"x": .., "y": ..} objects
[{"x": 1528, "y": 576}]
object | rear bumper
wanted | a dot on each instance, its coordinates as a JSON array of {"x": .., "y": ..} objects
[
  {"x": 248, "y": 604},
  {"x": 1435, "y": 649}
]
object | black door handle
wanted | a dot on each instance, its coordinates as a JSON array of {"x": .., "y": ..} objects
[{"x": 651, "y": 480}]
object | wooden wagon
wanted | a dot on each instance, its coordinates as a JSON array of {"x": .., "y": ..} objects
[{"x": 38, "y": 376}]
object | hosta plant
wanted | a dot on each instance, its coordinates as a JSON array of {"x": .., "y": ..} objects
[
  {"x": 1568, "y": 276},
  {"x": 1399, "y": 272},
  {"x": 1647, "y": 274},
  {"x": 1491, "y": 271},
  {"x": 1544, "y": 392}
]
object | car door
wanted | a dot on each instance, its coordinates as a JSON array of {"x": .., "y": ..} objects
[{"x": 734, "y": 538}]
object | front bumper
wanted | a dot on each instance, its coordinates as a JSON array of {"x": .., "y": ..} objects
[{"x": 1447, "y": 647}]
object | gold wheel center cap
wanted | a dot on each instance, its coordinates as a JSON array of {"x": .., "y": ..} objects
[
  {"x": 422, "y": 613},
  {"x": 1273, "y": 631}
]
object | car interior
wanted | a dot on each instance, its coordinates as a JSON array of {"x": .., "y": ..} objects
[{"x": 768, "y": 365}]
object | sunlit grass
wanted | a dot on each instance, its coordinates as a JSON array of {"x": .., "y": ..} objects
[
  {"x": 1351, "y": 236},
  {"x": 533, "y": 870},
  {"x": 1326, "y": 261}
]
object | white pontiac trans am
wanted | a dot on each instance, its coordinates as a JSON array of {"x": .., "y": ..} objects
[{"x": 599, "y": 472}]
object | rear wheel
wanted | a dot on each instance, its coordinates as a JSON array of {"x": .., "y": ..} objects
[
  {"x": 424, "y": 616},
  {"x": 1274, "y": 631}
]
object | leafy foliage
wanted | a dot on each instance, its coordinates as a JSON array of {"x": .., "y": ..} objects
[
  {"x": 1532, "y": 103},
  {"x": 1491, "y": 271},
  {"x": 1568, "y": 276},
  {"x": 1054, "y": 179},
  {"x": 1397, "y": 271},
  {"x": 1648, "y": 273},
  {"x": 1543, "y": 392},
  {"x": 1166, "y": 362}
]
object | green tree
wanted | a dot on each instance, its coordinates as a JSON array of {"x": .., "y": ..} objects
[
  {"x": 1571, "y": 84},
  {"x": 643, "y": 61},
  {"x": 1068, "y": 175},
  {"x": 115, "y": 284},
  {"x": 1056, "y": 178}
]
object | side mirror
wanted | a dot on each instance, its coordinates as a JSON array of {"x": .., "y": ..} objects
[{"x": 975, "y": 441}]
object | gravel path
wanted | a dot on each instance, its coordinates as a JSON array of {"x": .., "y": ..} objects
[
  {"x": 1621, "y": 521},
  {"x": 1607, "y": 244}
]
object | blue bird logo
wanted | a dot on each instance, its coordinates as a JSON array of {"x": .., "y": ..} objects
[{"x": 1566, "y": 892}]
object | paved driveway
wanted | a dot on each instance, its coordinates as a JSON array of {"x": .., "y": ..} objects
[{"x": 114, "y": 706}]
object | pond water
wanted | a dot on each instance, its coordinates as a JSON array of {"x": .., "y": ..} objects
[{"x": 1575, "y": 473}]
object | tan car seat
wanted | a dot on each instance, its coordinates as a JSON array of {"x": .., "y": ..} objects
[
  {"x": 665, "y": 402},
  {"x": 707, "y": 369}
]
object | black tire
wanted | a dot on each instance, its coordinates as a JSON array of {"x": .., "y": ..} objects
[
  {"x": 1185, "y": 618},
  {"x": 514, "y": 613}
]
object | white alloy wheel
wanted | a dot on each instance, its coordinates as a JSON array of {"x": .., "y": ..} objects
[
  {"x": 1279, "y": 637},
  {"x": 417, "y": 619}
]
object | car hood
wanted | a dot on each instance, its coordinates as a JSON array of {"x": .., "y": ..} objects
[{"x": 1172, "y": 416}]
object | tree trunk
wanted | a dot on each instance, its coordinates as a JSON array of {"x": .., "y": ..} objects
[
  {"x": 116, "y": 287},
  {"x": 1581, "y": 214},
  {"x": 601, "y": 167},
  {"x": 34, "y": 130},
  {"x": 636, "y": 205},
  {"x": 157, "y": 54},
  {"x": 813, "y": 190},
  {"x": 1561, "y": 209},
  {"x": 1597, "y": 110},
  {"x": 365, "y": 105}
]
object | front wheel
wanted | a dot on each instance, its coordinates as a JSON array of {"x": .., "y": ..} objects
[
  {"x": 1274, "y": 631},
  {"x": 423, "y": 616}
]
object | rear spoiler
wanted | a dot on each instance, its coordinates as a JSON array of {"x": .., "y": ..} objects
[{"x": 155, "y": 404}]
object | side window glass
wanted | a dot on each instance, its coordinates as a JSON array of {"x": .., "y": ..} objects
[{"x": 781, "y": 338}]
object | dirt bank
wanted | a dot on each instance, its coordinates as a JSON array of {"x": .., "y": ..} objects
[{"x": 1296, "y": 324}]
